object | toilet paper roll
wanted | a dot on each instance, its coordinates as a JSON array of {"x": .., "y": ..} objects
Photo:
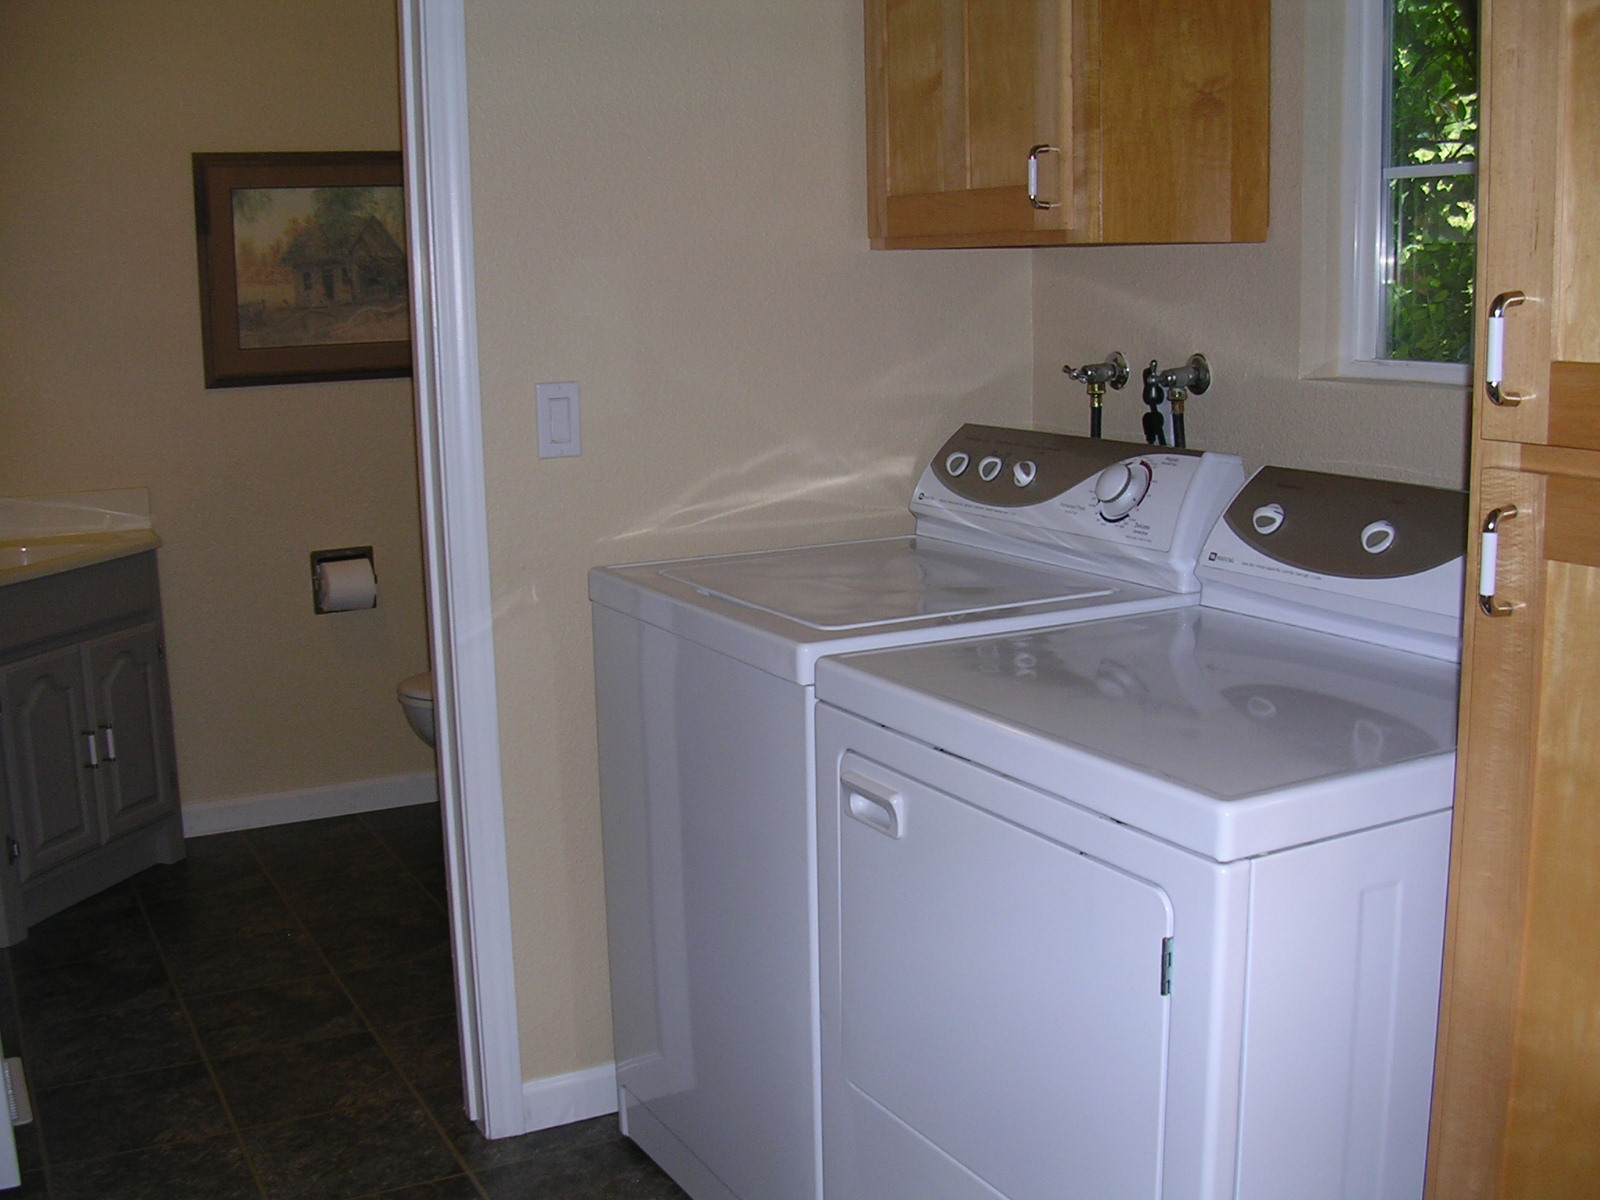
[{"x": 346, "y": 583}]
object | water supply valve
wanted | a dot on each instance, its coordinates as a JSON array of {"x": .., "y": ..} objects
[
  {"x": 1178, "y": 383},
  {"x": 1095, "y": 377},
  {"x": 1155, "y": 431}
]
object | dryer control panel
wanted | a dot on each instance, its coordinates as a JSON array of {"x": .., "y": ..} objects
[{"x": 1312, "y": 548}]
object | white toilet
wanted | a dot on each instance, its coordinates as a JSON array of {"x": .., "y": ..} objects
[{"x": 416, "y": 697}]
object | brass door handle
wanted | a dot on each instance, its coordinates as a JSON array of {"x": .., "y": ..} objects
[
  {"x": 1489, "y": 562},
  {"x": 1033, "y": 176},
  {"x": 1495, "y": 356}
]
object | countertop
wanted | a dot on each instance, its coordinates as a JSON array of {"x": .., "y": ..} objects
[{"x": 29, "y": 558}]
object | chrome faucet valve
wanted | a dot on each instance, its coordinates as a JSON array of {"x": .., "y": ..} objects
[
  {"x": 1096, "y": 377},
  {"x": 1194, "y": 377}
]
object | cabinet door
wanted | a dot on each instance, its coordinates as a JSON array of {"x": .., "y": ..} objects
[
  {"x": 44, "y": 716},
  {"x": 129, "y": 683},
  {"x": 1540, "y": 224},
  {"x": 1156, "y": 113},
  {"x": 960, "y": 92},
  {"x": 1517, "y": 1098}
]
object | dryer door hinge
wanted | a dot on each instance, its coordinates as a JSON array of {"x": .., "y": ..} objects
[{"x": 1166, "y": 966}]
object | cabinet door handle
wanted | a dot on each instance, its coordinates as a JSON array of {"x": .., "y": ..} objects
[
  {"x": 1033, "y": 176},
  {"x": 111, "y": 742},
  {"x": 1489, "y": 563},
  {"x": 1494, "y": 367},
  {"x": 94, "y": 748}
]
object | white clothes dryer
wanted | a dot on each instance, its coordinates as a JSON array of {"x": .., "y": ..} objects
[
  {"x": 1153, "y": 906},
  {"x": 704, "y": 676}
]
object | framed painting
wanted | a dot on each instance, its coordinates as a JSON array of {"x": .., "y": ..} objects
[{"x": 302, "y": 267}]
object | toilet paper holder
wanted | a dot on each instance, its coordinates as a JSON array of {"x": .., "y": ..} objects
[{"x": 319, "y": 587}]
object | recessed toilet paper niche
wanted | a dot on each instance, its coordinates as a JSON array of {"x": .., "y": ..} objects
[{"x": 343, "y": 580}]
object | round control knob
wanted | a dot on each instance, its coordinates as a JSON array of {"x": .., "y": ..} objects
[
  {"x": 988, "y": 468},
  {"x": 957, "y": 462},
  {"x": 1024, "y": 473},
  {"x": 1119, "y": 488},
  {"x": 1267, "y": 518},
  {"x": 1377, "y": 537}
]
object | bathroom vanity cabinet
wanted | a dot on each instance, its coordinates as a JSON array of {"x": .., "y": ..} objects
[
  {"x": 87, "y": 775},
  {"x": 1048, "y": 122}
]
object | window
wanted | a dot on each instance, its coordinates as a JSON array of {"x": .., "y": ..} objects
[
  {"x": 1429, "y": 181},
  {"x": 1390, "y": 189}
]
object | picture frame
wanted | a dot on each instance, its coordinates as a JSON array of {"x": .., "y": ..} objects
[{"x": 303, "y": 267}]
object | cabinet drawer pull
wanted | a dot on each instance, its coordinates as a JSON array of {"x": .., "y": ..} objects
[
  {"x": 1033, "y": 176},
  {"x": 1494, "y": 367},
  {"x": 94, "y": 748},
  {"x": 1489, "y": 563},
  {"x": 111, "y": 742}
]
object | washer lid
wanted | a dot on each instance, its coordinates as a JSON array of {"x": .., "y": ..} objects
[{"x": 860, "y": 585}]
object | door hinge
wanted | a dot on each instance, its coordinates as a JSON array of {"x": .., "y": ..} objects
[
  {"x": 1166, "y": 966},
  {"x": 18, "y": 1105}
]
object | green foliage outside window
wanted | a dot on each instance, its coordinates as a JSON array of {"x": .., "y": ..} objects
[{"x": 1433, "y": 147}]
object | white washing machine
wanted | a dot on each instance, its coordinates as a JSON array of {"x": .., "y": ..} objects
[
  {"x": 704, "y": 672},
  {"x": 1153, "y": 906}
]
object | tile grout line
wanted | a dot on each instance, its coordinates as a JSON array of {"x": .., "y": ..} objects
[
  {"x": 366, "y": 1021},
  {"x": 200, "y": 1046}
]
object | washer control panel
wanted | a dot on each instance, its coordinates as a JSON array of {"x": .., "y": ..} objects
[{"x": 1044, "y": 493}]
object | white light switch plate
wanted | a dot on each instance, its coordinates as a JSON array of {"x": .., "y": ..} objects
[{"x": 558, "y": 420}]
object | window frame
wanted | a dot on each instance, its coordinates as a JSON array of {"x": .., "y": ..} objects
[{"x": 1354, "y": 89}]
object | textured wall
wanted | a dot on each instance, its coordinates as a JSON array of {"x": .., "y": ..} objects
[
  {"x": 670, "y": 208},
  {"x": 100, "y": 368}
]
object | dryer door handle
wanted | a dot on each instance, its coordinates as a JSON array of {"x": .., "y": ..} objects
[{"x": 876, "y": 805}]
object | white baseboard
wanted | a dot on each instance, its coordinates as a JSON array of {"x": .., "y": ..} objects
[
  {"x": 309, "y": 804},
  {"x": 562, "y": 1099}
]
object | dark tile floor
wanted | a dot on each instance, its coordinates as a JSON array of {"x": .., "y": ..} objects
[{"x": 273, "y": 1017}]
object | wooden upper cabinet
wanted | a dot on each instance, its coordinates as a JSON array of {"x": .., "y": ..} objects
[
  {"x": 1155, "y": 115},
  {"x": 1541, "y": 226}
]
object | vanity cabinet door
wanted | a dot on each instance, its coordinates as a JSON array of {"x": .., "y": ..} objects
[
  {"x": 44, "y": 719},
  {"x": 1146, "y": 121},
  {"x": 128, "y": 685}
]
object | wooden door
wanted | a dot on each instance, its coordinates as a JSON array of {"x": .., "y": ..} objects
[
  {"x": 960, "y": 92},
  {"x": 1541, "y": 231},
  {"x": 1517, "y": 1089},
  {"x": 1154, "y": 115}
]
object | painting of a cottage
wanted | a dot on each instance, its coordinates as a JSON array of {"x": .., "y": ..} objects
[{"x": 320, "y": 265}]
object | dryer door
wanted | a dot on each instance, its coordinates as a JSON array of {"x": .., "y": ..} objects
[{"x": 1004, "y": 1027}]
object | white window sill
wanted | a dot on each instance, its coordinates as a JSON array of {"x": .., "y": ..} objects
[{"x": 1370, "y": 370}]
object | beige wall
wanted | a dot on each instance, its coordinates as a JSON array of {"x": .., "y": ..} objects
[
  {"x": 669, "y": 206},
  {"x": 100, "y": 368},
  {"x": 1241, "y": 306}
]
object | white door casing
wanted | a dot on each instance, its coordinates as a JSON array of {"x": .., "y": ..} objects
[{"x": 455, "y": 538}]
